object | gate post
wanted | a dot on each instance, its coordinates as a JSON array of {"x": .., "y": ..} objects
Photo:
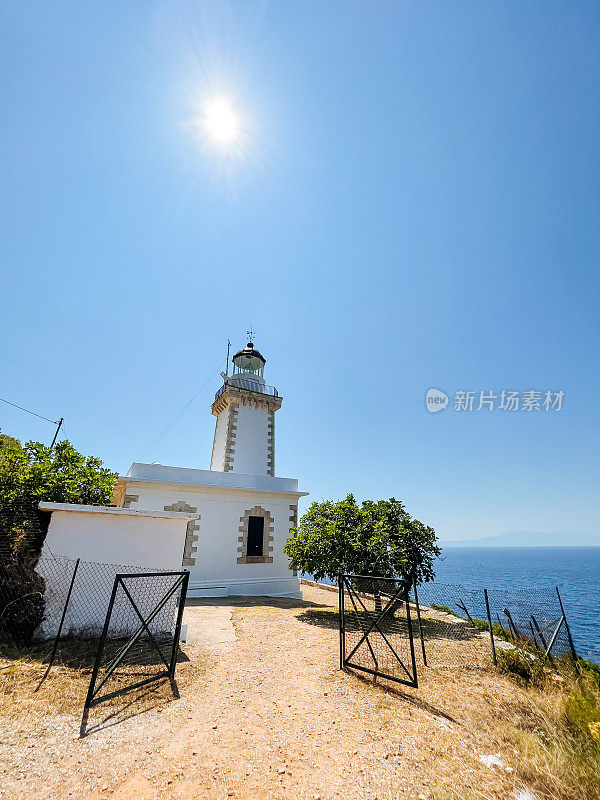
[
  {"x": 341, "y": 618},
  {"x": 489, "y": 616},
  {"x": 571, "y": 645},
  {"x": 182, "y": 597},
  {"x": 98, "y": 661},
  {"x": 419, "y": 620},
  {"x": 410, "y": 638}
]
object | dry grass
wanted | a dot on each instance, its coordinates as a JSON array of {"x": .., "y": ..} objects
[
  {"x": 28, "y": 689},
  {"x": 23, "y": 690},
  {"x": 553, "y": 733},
  {"x": 275, "y": 698},
  {"x": 548, "y": 724}
]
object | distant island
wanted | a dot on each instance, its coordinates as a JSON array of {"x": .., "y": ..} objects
[{"x": 529, "y": 539}]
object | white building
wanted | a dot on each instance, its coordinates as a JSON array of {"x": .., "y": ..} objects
[
  {"x": 108, "y": 541},
  {"x": 242, "y": 513}
]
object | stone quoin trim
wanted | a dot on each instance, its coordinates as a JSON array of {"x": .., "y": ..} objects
[
  {"x": 230, "y": 438},
  {"x": 293, "y": 516},
  {"x": 190, "y": 534},
  {"x": 212, "y": 452},
  {"x": 271, "y": 444},
  {"x": 129, "y": 499},
  {"x": 118, "y": 494},
  {"x": 293, "y": 524},
  {"x": 268, "y": 537}
]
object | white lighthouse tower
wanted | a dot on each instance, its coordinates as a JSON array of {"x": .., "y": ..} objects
[{"x": 245, "y": 409}]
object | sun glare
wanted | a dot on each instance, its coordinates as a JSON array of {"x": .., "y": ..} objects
[{"x": 220, "y": 120}]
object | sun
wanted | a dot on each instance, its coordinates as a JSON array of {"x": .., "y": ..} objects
[{"x": 220, "y": 121}]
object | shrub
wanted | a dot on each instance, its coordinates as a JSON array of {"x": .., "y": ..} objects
[
  {"x": 561, "y": 747},
  {"x": 498, "y": 631},
  {"x": 21, "y": 601},
  {"x": 445, "y": 609},
  {"x": 522, "y": 664},
  {"x": 582, "y": 712},
  {"x": 374, "y": 538},
  {"x": 33, "y": 472}
]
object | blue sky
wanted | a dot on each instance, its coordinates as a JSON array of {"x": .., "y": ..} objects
[{"x": 415, "y": 205}]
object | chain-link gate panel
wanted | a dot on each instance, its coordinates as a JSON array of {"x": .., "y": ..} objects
[
  {"x": 140, "y": 635},
  {"x": 376, "y": 633}
]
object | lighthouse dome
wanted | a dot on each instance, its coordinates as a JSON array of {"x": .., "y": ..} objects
[{"x": 249, "y": 362}]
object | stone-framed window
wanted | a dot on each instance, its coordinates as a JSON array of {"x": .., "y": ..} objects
[
  {"x": 191, "y": 537},
  {"x": 250, "y": 541},
  {"x": 293, "y": 524},
  {"x": 256, "y": 534},
  {"x": 128, "y": 499}
]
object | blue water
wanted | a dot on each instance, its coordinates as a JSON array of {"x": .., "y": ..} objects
[{"x": 575, "y": 570}]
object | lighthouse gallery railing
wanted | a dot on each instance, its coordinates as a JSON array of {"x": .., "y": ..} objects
[{"x": 249, "y": 386}]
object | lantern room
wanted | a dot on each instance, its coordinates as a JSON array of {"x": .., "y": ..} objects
[{"x": 249, "y": 362}]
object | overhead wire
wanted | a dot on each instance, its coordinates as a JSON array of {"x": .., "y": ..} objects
[
  {"x": 33, "y": 413},
  {"x": 161, "y": 434},
  {"x": 181, "y": 412},
  {"x": 64, "y": 434}
]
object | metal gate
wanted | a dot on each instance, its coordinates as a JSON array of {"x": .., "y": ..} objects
[
  {"x": 142, "y": 628},
  {"x": 376, "y": 634}
]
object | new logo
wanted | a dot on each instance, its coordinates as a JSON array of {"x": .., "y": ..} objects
[{"x": 435, "y": 400}]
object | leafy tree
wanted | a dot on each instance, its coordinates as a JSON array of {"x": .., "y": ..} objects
[
  {"x": 33, "y": 472},
  {"x": 376, "y": 538}
]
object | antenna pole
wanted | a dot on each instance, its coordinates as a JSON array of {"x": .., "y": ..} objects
[
  {"x": 227, "y": 365},
  {"x": 60, "y": 422}
]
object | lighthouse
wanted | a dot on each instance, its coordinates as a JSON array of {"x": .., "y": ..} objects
[
  {"x": 240, "y": 513},
  {"x": 245, "y": 409}
]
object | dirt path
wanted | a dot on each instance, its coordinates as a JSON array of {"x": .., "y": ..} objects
[{"x": 265, "y": 714}]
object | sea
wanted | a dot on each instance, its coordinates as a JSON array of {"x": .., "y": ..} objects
[{"x": 528, "y": 571}]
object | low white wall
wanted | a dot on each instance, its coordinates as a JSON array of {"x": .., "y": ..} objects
[{"x": 107, "y": 541}]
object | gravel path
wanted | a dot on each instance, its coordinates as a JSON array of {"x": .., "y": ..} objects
[{"x": 265, "y": 714}]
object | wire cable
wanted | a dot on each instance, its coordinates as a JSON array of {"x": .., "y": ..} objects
[
  {"x": 180, "y": 413},
  {"x": 53, "y": 421},
  {"x": 64, "y": 436}
]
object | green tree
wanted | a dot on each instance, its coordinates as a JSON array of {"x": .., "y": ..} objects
[
  {"x": 375, "y": 538},
  {"x": 33, "y": 472}
]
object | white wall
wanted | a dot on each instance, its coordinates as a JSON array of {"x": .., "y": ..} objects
[
  {"x": 217, "y": 461},
  {"x": 216, "y": 556},
  {"x": 195, "y": 478},
  {"x": 250, "y": 443},
  {"x": 251, "y": 440},
  {"x": 123, "y": 538}
]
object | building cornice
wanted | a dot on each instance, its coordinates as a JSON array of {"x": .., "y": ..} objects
[
  {"x": 204, "y": 487},
  {"x": 126, "y": 512},
  {"x": 244, "y": 397}
]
